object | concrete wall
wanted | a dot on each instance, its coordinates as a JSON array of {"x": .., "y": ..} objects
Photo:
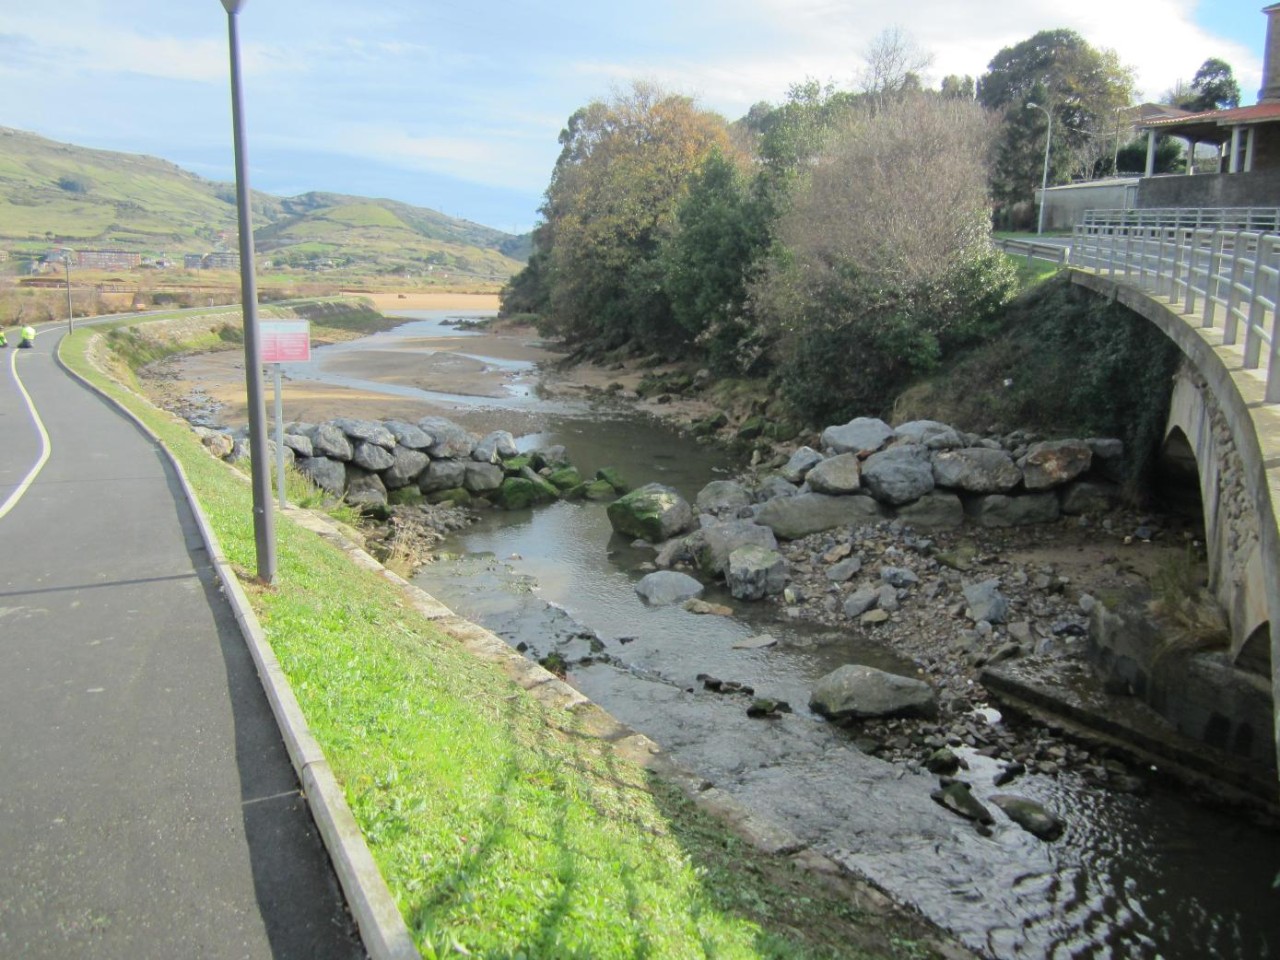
[
  {"x": 1259, "y": 188},
  {"x": 1065, "y": 206}
]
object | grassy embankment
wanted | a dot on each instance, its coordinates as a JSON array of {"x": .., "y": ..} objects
[{"x": 501, "y": 831}]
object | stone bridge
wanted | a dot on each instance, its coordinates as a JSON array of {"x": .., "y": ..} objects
[{"x": 1214, "y": 293}]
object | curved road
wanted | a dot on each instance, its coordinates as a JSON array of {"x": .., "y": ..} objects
[{"x": 147, "y": 805}]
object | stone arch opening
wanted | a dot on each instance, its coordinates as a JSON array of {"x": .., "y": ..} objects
[
  {"x": 1255, "y": 655},
  {"x": 1175, "y": 479}
]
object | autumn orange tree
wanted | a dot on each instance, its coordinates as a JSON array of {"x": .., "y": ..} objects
[{"x": 624, "y": 166}]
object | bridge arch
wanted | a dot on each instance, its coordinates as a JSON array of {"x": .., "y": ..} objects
[{"x": 1218, "y": 410}]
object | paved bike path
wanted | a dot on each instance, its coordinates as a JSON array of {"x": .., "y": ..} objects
[{"x": 147, "y": 805}]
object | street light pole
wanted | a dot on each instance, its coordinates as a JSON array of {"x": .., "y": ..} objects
[
  {"x": 263, "y": 520},
  {"x": 66, "y": 266},
  {"x": 1044, "y": 179}
]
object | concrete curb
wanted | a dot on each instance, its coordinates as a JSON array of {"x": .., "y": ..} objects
[{"x": 382, "y": 928}]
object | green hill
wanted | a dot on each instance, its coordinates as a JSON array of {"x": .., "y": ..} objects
[{"x": 54, "y": 192}]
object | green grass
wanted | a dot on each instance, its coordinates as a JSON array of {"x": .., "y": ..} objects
[{"x": 501, "y": 830}]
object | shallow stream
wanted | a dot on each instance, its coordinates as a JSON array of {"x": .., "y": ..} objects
[{"x": 1133, "y": 876}]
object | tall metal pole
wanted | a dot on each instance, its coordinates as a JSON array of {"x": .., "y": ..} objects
[
  {"x": 66, "y": 266},
  {"x": 263, "y": 521},
  {"x": 1044, "y": 180}
]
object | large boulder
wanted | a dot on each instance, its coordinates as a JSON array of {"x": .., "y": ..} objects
[
  {"x": 712, "y": 546},
  {"x": 329, "y": 441},
  {"x": 986, "y": 602},
  {"x": 329, "y": 475},
  {"x": 300, "y": 444},
  {"x": 1054, "y": 462},
  {"x": 898, "y": 475},
  {"x": 929, "y": 433},
  {"x": 495, "y": 447},
  {"x": 836, "y": 475},
  {"x": 364, "y": 489},
  {"x": 937, "y": 509},
  {"x": 665, "y": 587},
  {"x": 793, "y": 517},
  {"x": 372, "y": 456},
  {"x": 451, "y": 440},
  {"x": 370, "y": 431},
  {"x": 800, "y": 463},
  {"x": 442, "y": 475},
  {"x": 855, "y": 691},
  {"x": 755, "y": 572},
  {"x": 1084, "y": 496},
  {"x": 1030, "y": 816},
  {"x": 976, "y": 470},
  {"x": 654, "y": 512},
  {"x": 407, "y": 465},
  {"x": 407, "y": 435},
  {"x": 1001, "y": 510},
  {"x": 481, "y": 478},
  {"x": 722, "y": 498},
  {"x": 862, "y": 435}
]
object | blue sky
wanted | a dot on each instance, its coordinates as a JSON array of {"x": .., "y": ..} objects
[{"x": 458, "y": 108}]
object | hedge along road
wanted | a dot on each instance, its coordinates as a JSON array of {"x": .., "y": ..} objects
[{"x": 147, "y": 805}]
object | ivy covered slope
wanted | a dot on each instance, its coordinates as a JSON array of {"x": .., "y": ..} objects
[{"x": 56, "y": 192}]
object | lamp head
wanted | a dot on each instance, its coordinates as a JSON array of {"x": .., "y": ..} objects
[{"x": 233, "y": 6}]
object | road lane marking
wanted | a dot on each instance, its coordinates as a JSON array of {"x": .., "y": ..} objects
[{"x": 45, "y": 446}]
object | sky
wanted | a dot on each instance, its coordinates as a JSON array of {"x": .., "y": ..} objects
[{"x": 458, "y": 107}]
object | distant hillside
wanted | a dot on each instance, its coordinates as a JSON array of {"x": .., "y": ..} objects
[{"x": 55, "y": 192}]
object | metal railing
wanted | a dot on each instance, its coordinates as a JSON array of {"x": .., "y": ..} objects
[
  {"x": 1262, "y": 219},
  {"x": 1230, "y": 278},
  {"x": 1034, "y": 250}
]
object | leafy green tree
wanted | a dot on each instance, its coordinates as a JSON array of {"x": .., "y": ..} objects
[
  {"x": 709, "y": 259},
  {"x": 1061, "y": 72},
  {"x": 624, "y": 166},
  {"x": 955, "y": 87},
  {"x": 1214, "y": 87}
]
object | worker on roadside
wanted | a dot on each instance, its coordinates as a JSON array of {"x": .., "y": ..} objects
[
  {"x": 4, "y": 342},
  {"x": 28, "y": 337}
]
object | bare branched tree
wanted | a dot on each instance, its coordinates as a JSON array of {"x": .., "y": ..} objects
[{"x": 894, "y": 62}]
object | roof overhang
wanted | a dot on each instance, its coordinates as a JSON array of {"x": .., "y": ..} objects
[{"x": 1215, "y": 126}]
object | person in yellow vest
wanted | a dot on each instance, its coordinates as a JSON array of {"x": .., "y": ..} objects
[
  {"x": 28, "y": 337},
  {"x": 3, "y": 340}
]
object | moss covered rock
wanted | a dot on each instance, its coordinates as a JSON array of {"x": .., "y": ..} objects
[{"x": 654, "y": 512}]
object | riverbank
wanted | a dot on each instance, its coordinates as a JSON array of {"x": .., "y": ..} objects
[{"x": 533, "y": 832}]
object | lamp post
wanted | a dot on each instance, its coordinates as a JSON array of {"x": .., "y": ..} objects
[
  {"x": 66, "y": 266},
  {"x": 263, "y": 520},
  {"x": 1044, "y": 179}
]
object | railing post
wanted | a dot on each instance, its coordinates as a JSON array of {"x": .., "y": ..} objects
[
  {"x": 1263, "y": 265},
  {"x": 1229, "y": 322},
  {"x": 1212, "y": 278}
]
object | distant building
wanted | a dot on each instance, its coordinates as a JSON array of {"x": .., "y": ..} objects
[
  {"x": 221, "y": 260},
  {"x": 217, "y": 260},
  {"x": 1245, "y": 139},
  {"x": 107, "y": 259}
]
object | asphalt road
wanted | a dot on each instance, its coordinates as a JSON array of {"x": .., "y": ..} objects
[{"x": 147, "y": 805}]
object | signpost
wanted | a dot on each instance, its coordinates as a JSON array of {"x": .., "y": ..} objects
[{"x": 283, "y": 341}]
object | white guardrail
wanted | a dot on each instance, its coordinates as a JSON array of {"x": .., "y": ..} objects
[
  {"x": 1261, "y": 219},
  {"x": 1033, "y": 250},
  {"x": 1231, "y": 278}
]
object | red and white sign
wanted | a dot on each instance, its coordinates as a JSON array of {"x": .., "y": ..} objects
[{"x": 285, "y": 341}]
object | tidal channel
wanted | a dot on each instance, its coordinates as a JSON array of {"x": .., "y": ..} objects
[{"x": 1154, "y": 875}]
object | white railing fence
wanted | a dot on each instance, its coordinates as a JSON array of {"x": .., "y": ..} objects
[
  {"x": 1033, "y": 250},
  {"x": 1261, "y": 219},
  {"x": 1229, "y": 278}
]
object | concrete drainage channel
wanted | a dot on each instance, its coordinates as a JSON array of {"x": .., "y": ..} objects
[{"x": 382, "y": 927}]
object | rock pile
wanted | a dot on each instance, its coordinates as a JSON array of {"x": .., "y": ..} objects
[{"x": 372, "y": 464}]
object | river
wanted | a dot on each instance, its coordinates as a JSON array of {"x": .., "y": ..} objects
[{"x": 1134, "y": 876}]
